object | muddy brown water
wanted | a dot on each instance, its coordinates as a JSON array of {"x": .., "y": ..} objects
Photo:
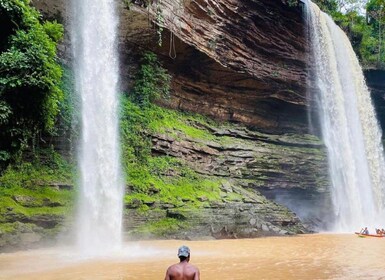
[{"x": 318, "y": 256}]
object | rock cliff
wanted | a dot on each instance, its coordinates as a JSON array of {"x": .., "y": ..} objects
[
  {"x": 375, "y": 80},
  {"x": 244, "y": 62}
]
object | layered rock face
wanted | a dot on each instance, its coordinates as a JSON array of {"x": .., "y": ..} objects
[
  {"x": 242, "y": 61},
  {"x": 375, "y": 80},
  {"x": 238, "y": 61},
  {"x": 30, "y": 221},
  {"x": 253, "y": 159},
  {"x": 261, "y": 165},
  {"x": 239, "y": 214}
]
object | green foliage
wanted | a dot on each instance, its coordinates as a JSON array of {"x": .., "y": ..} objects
[
  {"x": 30, "y": 75},
  {"x": 46, "y": 167},
  {"x": 25, "y": 189},
  {"x": 127, "y": 4},
  {"x": 142, "y": 3},
  {"x": 5, "y": 112},
  {"x": 168, "y": 180},
  {"x": 7, "y": 228},
  {"x": 328, "y": 6},
  {"x": 161, "y": 178},
  {"x": 136, "y": 145},
  {"x": 375, "y": 10},
  {"x": 174, "y": 123},
  {"x": 151, "y": 81},
  {"x": 376, "y": 18},
  {"x": 162, "y": 227},
  {"x": 365, "y": 33},
  {"x": 54, "y": 30},
  {"x": 159, "y": 20},
  {"x": 292, "y": 3},
  {"x": 137, "y": 123},
  {"x": 4, "y": 156}
]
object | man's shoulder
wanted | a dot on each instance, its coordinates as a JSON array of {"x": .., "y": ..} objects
[
  {"x": 173, "y": 266},
  {"x": 193, "y": 266},
  {"x": 179, "y": 266}
]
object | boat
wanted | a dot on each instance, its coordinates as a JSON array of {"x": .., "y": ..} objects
[{"x": 369, "y": 235}]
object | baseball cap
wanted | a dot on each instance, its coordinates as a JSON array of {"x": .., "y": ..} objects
[{"x": 183, "y": 251}]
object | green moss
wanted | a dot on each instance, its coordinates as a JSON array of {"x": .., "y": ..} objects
[
  {"x": 177, "y": 191},
  {"x": 7, "y": 227},
  {"x": 25, "y": 189},
  {"x": 169, "y": 121},
  {"x": 164, "y": 121},
  {"x": 234, "y": 197},
  {"x": 165, "y": 179},
  {"x": 162, "y": 227},
  {"x": 168, "y": 180}
]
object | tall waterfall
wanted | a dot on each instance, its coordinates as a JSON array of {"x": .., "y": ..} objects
[
  {"x": 99, "y": 221},
  {"x": 349, "y": 127}
]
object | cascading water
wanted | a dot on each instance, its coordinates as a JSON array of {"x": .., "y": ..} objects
[
  {"x": 349, "y": 127},
  {"x": 99, "y": 221}
]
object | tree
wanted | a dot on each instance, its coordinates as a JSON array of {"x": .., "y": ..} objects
[
  {"x": 347, "y": 6},
  {"x": 328, "y": 6},
  {"x": 29, "y": 74},
  {"x": 376, "y": 17},
  {"x": 151, "y": 81},
  {"x": 365, "y": 34}
]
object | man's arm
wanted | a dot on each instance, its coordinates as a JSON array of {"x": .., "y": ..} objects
[
  {"x": 167, "y": 277},
  {"x": 197, "y": 275}
]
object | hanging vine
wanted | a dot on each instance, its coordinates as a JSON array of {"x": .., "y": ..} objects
[{"x": 159, "y": 20}]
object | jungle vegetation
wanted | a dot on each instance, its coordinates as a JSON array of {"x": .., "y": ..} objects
[
  {"x": 36, "y": 94},
  {"x": 363, "y": 21},
  {"x": 32, "y": 80},
  {"x": 30, "y": 76}
]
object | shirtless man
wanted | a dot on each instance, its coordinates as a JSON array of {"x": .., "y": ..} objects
[{"x": 183, "y": 270}]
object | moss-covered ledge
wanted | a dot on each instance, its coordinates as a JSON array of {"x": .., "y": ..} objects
[
  {"x": 236, "y": 213},
  {"x": 36, "y": 200}
]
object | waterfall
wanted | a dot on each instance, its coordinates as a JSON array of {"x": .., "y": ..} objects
[
  {"x": 99, "y": 219},
  {"x": 349, "y": 127}
]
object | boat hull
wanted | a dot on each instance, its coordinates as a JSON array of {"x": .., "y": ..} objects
[{"x": 369, "y": 235}]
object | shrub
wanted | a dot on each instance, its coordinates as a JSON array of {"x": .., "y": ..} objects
[{"x": 30, "y": 74}]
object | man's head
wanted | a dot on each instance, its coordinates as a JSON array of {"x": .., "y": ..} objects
[{"x": 183, "y": 253}]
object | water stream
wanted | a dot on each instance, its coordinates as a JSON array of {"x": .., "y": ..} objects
[
  {"x": 99, "y": 220},
  {"x": 304, "y": 257},
  {"x": 349, "y": 127}
]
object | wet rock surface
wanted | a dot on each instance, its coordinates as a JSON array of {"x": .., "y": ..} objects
[
  {"x": 238, "y": 61},
  {"x": 248, "y": 215},
  {"x": 253, "y": 159},
  {"x": 241, "y": 61},
  {"x": 375, "y": 80},
  {"x": 249, "y": 163}
]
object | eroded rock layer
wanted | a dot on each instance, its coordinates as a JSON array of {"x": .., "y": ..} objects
[
  {"x": 243, "y": 61},
  {"x": 375, "y": 80}
]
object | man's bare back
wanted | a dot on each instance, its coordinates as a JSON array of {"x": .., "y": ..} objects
[{"x": 183, "y": 270}]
